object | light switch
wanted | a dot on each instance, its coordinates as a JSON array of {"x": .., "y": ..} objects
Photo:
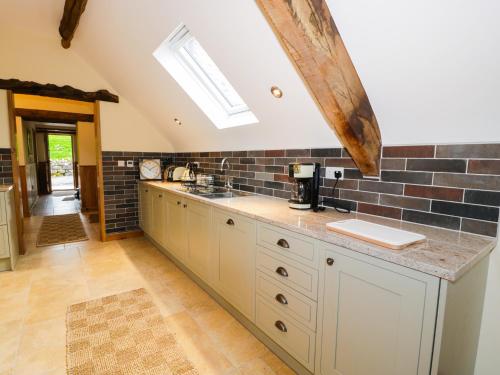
[
  {"x": 121, "y": 163},
  {"x": 130, "y": 163}
]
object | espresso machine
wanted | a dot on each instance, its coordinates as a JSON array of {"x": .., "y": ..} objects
[{"x": 305, "y": 186}]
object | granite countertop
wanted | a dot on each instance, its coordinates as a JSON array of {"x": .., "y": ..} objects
[
  {"x": 446, "y": 254},
  {"x": 4, "y": 188}
]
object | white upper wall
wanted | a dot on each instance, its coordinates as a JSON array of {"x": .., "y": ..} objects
[{"x": 33, "y": 52}]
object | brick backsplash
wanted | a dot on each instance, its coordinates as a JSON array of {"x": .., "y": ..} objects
[
  {"x": 450, "y": 186},
  {"x": 5, "y": 167}
]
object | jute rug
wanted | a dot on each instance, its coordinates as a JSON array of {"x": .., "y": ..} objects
[
  {"x": 122, "y": 334},
  {"x": 59, "y": 229}
]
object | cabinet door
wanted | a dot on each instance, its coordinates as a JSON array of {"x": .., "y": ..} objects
[
  {"x": 3, "y": 209},
  {"x": 198, "y": 220},
  {"x": 234, "y": 254},
  {"x": 373, "y": 319},
  {"x": 145, "y": 208},
  {"x": 4, "y": 242},
  {"x": 158, "y": 227},
  {"x": 176, "y": 226}
]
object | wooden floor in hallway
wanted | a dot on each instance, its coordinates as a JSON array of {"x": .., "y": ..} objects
[{"x": 34, "y": 299}]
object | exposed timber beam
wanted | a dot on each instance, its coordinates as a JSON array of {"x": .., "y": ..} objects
[
  {"x": 308, "y": 34},
  {"x": 53, "y": 116},
  {"x": 73, "y": 10},
  {"x": 49, "y": 89}
]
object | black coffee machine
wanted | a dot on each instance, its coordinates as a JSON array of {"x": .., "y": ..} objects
[{"x": 305, "y": 187}]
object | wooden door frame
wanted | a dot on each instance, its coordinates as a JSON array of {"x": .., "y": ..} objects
[{"x": 15, "y": 171}]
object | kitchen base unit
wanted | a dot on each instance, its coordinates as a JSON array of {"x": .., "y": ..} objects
[
  {"x": 322, "y": 308},
  {"x": 9, "y": 250}
]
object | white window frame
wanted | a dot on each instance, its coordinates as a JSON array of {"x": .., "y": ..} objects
[{"x": 190, "y": 75}]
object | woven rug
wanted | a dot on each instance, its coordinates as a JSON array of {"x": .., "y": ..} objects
[
  {"x": 59, "y": 229},
  {"x": 122, "y": 334}
]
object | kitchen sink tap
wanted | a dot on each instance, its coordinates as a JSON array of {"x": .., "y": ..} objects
[{"x": 228, "y": 180}]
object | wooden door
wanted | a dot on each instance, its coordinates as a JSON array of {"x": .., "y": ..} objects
[
  {"x": 198, "y": 220},
  {"x": 373, "y": 320},
  {"x": 176, "y": 226},
  {"x": 234, "y": 253}
]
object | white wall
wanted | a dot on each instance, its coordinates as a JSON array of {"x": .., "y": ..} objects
[{"x": 31, "y": 55}]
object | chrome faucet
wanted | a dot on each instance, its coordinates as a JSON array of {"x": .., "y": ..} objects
[{"x": 228, "y": 183}]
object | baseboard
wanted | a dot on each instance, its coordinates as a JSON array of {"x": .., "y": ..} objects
[
  {"x": 123, "y": 235},
  {"x": 260, "y": 335}
]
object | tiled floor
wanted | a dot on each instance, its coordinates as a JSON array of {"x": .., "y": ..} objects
[
  {"x": 54, "y": 204},
  {"x": 34, "y": 298}
]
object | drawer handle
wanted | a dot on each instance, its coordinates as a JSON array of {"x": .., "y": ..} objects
[
  {"x": 184, "y": 205},
  {"x": 281, "y": 299},
  {"x": 146, "y": 190},
  {"x": 280, "y": 325},
  {"x": 230, "y": 222},
  {"x": 178, "y": 202},
  {"x": 330, "y": 261},
  {"x": 283, "y": 243},
  {"x": 160, "y": 196},
  {"x": 282, "y": 272}
]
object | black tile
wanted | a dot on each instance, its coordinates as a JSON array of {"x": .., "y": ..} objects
[
  {"x": 437, "y": 165},
  {"x": 326, "y": 152},
  {"x": 488, "y": 198},
  {"x": 274, "y": 185},
  {"x": 421, "y": 178},
  {"x": 465, "y": 210},
  {"x": 479, "y": 227},
  {"x": 443, "y": 221},
  {"x": 381, "y": 187}
]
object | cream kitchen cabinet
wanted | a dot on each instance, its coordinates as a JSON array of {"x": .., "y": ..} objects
[
  {"x": 198, "y": 223},
  {"x": 158, "y": 229},
  {"x": 176, "y": 226},
  {"x": 375, "y": 318},
  {"x": 9, "y": 246},
  {"x": 233, "y": 248},
  {"x": 145, "y": 208}
]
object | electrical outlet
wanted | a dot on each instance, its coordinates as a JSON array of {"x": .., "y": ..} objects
[
  {"x": 330, "y": 172},
  {"x": 130, "y": 163},
  {"x": 121, "y": 163}
]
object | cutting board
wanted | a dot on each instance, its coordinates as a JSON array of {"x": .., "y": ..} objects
[{"x": 377, "y": 234}]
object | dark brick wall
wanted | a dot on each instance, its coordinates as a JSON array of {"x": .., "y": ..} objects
[
  {"x": 120, "y": 189},
  {"x": 5, "y": 167},
  {"x": 450, "y": 186}
]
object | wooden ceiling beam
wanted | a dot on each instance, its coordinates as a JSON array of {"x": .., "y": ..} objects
[
  {"x": 64, "y": 92},
  {"x": 309, "y": 36},
  {"x": 73, "y": 10},
  {"x": 53, "y": 116}
]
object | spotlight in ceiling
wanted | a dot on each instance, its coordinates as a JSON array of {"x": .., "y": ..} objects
[
  {"x": 177, "y": 121},
  {"x": 276, "y": 91}
]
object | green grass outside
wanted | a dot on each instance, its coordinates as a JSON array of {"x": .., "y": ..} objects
[{"x": 60, "y": 147}]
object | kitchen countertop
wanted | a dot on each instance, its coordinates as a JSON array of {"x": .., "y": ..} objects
[
  {"x": 4, "y": 188},
  {"x": 446, "y": 254}
]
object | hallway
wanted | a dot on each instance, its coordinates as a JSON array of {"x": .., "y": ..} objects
[{"x": 57, "y": 203}]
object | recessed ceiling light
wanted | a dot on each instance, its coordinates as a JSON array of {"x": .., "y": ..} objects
[
  {"x": 276, "y": 91},
  {"x": 177, "y": 121}
]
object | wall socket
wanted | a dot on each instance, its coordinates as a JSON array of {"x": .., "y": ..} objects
[
  {"x": 121, "y": 163},
  {"x": 330, "y": 172}
]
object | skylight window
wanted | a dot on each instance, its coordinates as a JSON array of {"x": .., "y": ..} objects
[{"x": 193, "y": 69}]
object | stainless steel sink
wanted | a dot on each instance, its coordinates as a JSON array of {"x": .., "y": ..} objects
[{"x": 215, "y": 192}]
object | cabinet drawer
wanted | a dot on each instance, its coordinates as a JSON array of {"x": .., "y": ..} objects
[
  {"x": 4, "y": 242},
  {"x": 285, "y": 300},
  {"x": 294, "y": 275},
  {"x": 288, "y": 244},
  {"x": 238, "y": 222},
  {"x": 295, "y": 339}
]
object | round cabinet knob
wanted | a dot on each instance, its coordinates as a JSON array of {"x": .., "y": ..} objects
[
  {"x": 160, "y": 196},
  {"x": 178, "y": 202},
  {"x": 281, "y": 299},
  {"x": 146, "y": 190},
  {"x": 282, "y": 271},
  {"x": 330, "y": 261},
  {"x": 280, "y": 325},
  {"x": 230, "y": 222}
]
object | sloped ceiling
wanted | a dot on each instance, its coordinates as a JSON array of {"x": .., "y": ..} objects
[{"x": 430, "y": 68}]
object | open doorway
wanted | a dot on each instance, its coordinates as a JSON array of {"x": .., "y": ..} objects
[{"x": 61, "y": 157}]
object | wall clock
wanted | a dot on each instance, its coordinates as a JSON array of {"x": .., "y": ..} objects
[{"x": 150, "y": 169}]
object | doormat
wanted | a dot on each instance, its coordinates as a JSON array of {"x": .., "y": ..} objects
[
  {"x": 122, "y": 334},
  {"x": 58, "y": 229}
]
